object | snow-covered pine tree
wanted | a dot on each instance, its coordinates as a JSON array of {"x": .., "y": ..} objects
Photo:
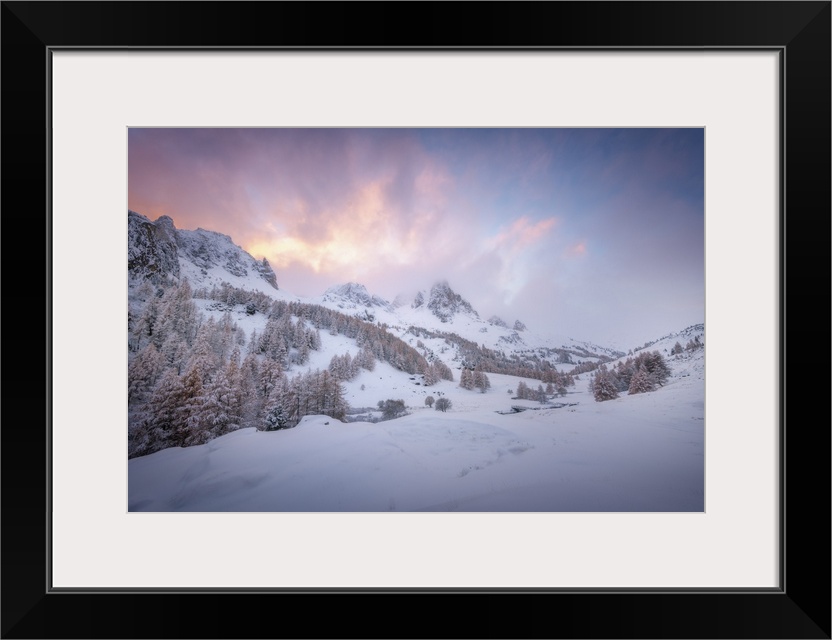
[
  {"x": 250, "y": 400},
  {"x": 481, "y": 381},
  {"x": 162, "y": 415},
  {"x": 275, "y": 415},
  {"x": 640, "y": 382},
  {"x": 214, "y": 414},
  {"x": 656, "y": 366},
  {"x": 443, "y": 371},
  {"x": 143, "y": 372},
  {"x": 431, "y": 377},
  {"x": 603, "y": 384}
]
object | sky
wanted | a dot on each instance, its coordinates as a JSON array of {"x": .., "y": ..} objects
[{"x": 596, "y": 234}]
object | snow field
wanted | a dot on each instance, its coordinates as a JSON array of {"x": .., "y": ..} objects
[{"x": 635, "y": 453}]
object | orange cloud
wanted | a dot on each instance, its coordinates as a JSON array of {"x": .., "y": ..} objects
[
  {"x": 578, "y": 249},
  {"x": 522, "y": 233},
  {"x": 370, "y": 229}
]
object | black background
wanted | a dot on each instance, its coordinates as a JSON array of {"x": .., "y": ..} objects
[{"x": 800, "y": 609}]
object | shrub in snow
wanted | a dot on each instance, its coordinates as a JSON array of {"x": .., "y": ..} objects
[
  {"x": 429, "y": 401},
  {"x": 276, "y": 418},
  {"x": 443, "y": 404},
  {"x": 391, "y": 409}
]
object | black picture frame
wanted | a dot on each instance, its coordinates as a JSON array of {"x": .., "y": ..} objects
[{"x": 799, "y": 608}]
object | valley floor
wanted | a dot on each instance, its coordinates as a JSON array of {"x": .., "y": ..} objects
[{"x": 640, "y": 453}]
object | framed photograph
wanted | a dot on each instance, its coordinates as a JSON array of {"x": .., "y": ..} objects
[
  {"x": 103, "y": 101},
  {"x": 361, "y": 361}
]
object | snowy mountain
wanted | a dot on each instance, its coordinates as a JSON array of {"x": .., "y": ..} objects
[
  {"x": 498, "y": 322},
  {"x": 159, "y": 252},
  {"x": 245, "y": 397},
  {"x": 353, "y": 296},
  {"x": 444, "y": 303}
]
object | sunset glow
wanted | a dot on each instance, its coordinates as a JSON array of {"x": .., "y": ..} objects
[{"x": 507, "y": 216}]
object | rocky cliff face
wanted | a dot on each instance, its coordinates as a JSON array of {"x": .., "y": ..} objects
[
  {"x": 152, "y": 253},
  {"x": 157, "y": 250}
]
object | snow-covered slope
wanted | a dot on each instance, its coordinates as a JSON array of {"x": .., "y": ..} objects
[
  {"x": 445, "y": 314},
  {"x": 636, "y": 453},
  {"x": 488, "y": 452}
]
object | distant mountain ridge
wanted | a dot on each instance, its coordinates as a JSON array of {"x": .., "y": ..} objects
[
  {"x": 352, "y": 294},
  {"x": 160, "y": 253}
]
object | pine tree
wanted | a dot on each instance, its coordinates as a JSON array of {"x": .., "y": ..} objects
[
  {"x": 163, "y": 419},
  {"x": 443, "y": 371},
  {"x": 188, "y": 426},
  {"x": 275, "y": 415},
  {"x": 214, "y": 414},
  {"x": 656, "y": 366},
  {"x": 431, "y": 377},
  {"x": 603, "y": 385},
  {"x": 481, "y": 381},
  {"x": 640, "y": 382},
  {"x": 143, "y": 373}
]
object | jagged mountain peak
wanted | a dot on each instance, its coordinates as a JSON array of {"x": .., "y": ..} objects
[
  {"x": 445, "y": 303},
  {"x": 353, "y": 293},
  {"x": 497, "y": 321},
  {"x": 158, "y": 251}
]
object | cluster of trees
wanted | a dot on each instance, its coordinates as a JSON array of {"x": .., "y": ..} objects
[
  {"x": 310, "y": 393},
  {"x": 231, "y": 296},
  {"x": 525, "y": 392},
  {"x": 692, "y": 345},
  {"x": 287, "y": 341},
  {"x": 473, "y": 356},
  {"x": 435, "y": 371},
  {"x": 168, "y": 318},
  {"x": 641, "y": 374},
  {"x": 345, "y": 367},
  {"x": 188, "y": 381},
  {"x": 214, "y": 396},
  {"x": 378, "y": 341},
  {"x": 475, "y": 379}
]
